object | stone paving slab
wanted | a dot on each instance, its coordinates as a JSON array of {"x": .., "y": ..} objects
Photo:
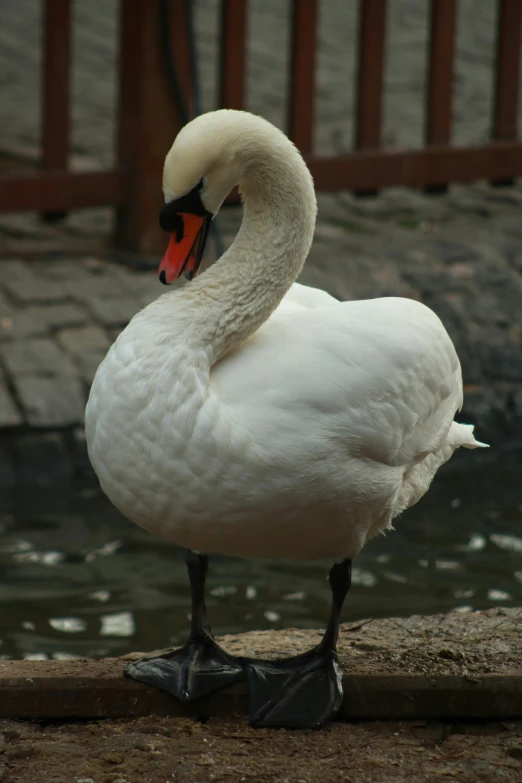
[
  {"x": 40, "y": 356},
  {"x": 49, "y": 351},
  {"x": 50, "y": 401}
]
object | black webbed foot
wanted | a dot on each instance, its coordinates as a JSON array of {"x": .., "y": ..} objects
[
  {"x": 302, "y": 692},
  {"x": 195, "y": 670}
]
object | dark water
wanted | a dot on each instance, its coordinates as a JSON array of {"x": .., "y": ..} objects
[{"x": 77, "y": 579}]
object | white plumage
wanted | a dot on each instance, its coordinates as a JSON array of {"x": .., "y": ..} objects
[{"x": 247, "y": 416}]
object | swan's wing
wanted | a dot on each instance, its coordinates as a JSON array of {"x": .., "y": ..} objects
[
  {"x": 378, "y": 378},
  {"x": 308, "y": 297}
]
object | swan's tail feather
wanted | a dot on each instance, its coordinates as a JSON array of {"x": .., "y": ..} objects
[{"x": 462, "y": 435}]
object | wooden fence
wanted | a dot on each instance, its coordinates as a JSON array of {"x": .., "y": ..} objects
[{"x": 148, "y": 117}]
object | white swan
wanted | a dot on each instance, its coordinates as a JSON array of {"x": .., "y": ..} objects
[{"x": 248, "y": 415}]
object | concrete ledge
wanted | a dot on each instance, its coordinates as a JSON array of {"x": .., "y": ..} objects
[
  {"x": 102, "y": 692},
  {"x": 455, "y": 666}
]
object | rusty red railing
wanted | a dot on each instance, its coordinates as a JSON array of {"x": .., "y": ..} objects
[{"x": 148, "y": 117}]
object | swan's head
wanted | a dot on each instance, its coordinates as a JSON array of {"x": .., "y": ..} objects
[{"x": 200, "y": 170}]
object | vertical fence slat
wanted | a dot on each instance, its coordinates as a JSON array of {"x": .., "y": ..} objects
[
  {"x": 180, "y": 32},
  {"x": 55, "y": 112},
  {"x": 302, "y": 74},
  {"x": 439, "y": 94},
  {"x": 148, "y": 118},
  {"x": 372, "y": 36},
  {"x": 232, "y": 55},
  {"x": 441, "y": 52},
  {"x": 55, "y": 83},
  {"x": 507, "y": 81},
  {"x": 134, "y": 32}
]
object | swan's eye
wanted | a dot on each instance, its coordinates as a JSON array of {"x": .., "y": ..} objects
[{"x": 202, "y": 184}]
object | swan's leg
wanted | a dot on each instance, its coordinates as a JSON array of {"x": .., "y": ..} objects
[
  {"x": 201, "y": 666},
  {"x": 306, "y": 690}
]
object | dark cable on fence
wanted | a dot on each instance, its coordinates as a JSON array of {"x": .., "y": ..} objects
[
  {"x": 174, "y": 82},
  {"x": 168, "y": 58},
  {"x": 193, "y": 58}
]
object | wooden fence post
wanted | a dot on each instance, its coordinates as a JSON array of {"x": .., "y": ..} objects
[{"x": 148, "y": 118}]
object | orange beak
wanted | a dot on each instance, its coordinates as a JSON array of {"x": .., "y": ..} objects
[{"x": 185, "y": 249}]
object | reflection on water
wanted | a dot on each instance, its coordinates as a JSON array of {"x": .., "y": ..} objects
[{"x": 77, "y": 579}]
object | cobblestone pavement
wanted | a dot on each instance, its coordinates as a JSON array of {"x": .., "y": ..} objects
[
  {"x": 460, "y": 253},
  {"x": 58, "y": 317}
]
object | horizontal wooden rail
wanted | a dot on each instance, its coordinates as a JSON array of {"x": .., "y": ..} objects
[
  {"x": 372, "y": 169},
  {"x": 60, "y": 190}
]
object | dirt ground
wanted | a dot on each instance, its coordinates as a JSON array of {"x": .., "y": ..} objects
[
  {"x": 154, "y": 750},
  {"x": 469, "y": 645}
]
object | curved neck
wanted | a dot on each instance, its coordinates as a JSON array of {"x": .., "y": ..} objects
[{"x": 231, "y": 300}]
